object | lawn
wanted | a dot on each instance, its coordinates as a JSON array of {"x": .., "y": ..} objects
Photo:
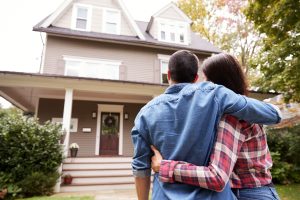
[
  {"x": 62, "y": 198},
  {"x": 289, "y": 192}
]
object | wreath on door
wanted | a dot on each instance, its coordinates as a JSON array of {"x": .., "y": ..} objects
[{"x": 110, "y": 126}]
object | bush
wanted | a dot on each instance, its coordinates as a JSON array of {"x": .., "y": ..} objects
[
  {"x": 30, "y": 154},
  {"x": 284, "y": 145}
]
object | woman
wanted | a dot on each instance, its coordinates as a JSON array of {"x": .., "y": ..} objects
[{"x": 240, "y": 154}]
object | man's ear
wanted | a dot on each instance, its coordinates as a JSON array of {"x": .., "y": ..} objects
[
  {"x": 196, "y": 78},
  {"x": 169, "y": 75}
]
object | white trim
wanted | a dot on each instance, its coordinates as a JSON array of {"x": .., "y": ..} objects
[
  {"x": 67, "y": 115},
  {"x": 131, "y": 21},
  {"x": 89, "y": 59},
  {"x": 96, "y": 99},
  {"x": 74, "y": 16},
  {"x": 178, "y": 10},
  {"x": 109, "y": 108},
  {"x": 12, "y": 101},
  {"x": 163, "y": 57},
  {"x": 56, "y": 13},
  {"x": 105, "y": 17}
]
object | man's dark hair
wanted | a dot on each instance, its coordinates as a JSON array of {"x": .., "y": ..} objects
[
  {"x": 183, "y": 66},
  {"x": 224, "y": 69}
]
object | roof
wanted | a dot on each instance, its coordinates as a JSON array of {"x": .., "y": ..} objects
[{"x": 198, "y": 45}]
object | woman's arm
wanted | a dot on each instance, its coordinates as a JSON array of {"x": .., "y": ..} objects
[{"x": 222, "y": 160}]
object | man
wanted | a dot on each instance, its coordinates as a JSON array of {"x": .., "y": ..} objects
[{"x": 182, "y": 124}]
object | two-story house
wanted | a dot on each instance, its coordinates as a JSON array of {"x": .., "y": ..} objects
[{"x": 99, "y": 68}]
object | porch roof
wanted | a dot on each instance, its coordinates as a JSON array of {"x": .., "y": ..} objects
[{"x": 24, "y": 89}]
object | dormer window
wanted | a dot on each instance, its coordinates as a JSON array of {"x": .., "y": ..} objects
[
  {"x": 81, "y": 17},
  {"x": 111, "y": 21},
  {"x": 173, "y": 31}
]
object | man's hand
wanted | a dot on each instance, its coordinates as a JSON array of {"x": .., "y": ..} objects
[{"x": 156, "y": 159}]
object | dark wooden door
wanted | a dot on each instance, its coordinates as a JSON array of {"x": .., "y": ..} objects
[{"x": 109, "y": 135}]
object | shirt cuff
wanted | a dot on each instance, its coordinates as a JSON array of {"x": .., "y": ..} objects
[
  {"x": 166, "y": 171},
  {"x": 278, "y": 111},
  {"x": 142, "y": 173}
]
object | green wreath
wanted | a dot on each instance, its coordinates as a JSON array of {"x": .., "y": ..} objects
[{"x": 109, "y": 126}]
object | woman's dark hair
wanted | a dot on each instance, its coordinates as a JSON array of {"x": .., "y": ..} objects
[{"x": 224, "y": 69}]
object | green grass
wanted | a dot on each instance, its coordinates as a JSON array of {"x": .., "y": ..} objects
[
  {"x": 289, "y": 192},
  {"x": 62, "y": 198}
]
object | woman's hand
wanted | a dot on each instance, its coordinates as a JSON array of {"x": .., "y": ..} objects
[{"x": 156, "y": 159}]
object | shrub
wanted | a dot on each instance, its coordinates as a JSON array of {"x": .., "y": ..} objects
[
  {"x": 30, "y": 154},
  {"x": 285, "y": 149}
]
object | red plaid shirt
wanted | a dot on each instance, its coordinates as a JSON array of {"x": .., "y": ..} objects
[{"x": 240, "y": 152}]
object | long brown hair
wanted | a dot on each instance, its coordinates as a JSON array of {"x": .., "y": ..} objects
[{"x": 224, "y": 69}]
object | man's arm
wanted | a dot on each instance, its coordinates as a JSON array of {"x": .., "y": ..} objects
[
  {"x": 142, "y": 185},
  {"x": 141, "y": 164},
  {"x": 245, "y": 108},
  {"x": 222, "y": 160}
]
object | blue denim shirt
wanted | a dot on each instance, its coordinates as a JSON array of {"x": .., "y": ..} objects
[{"x": 182, "y": 124}]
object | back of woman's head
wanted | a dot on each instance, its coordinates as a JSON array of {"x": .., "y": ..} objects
[{"x": 224, "y": 69}]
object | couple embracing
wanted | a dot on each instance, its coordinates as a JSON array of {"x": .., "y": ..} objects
[{"x": 207, "y": 136}]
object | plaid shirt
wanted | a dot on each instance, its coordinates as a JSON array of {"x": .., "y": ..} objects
[{"x": 240, "y": 152}]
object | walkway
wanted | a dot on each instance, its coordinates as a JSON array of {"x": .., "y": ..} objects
[{"x": 105, "y": 194}]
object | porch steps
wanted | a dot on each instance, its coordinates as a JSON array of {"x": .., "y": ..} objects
[{"x": 99, "y": 173}]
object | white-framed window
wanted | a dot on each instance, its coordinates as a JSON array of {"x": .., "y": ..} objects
[
  {"x": 163, "y": 62},
  {"x": 92, "y": 68},
  {"x": 111, "y": 21},
  {"x": 172, "y": 31},
  {"x": 73, "y": 124},
  {"x": 81, "y": 17},
  {"x": 164, "y": 71}
]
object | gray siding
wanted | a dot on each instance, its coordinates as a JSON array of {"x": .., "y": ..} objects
[
  {"x": 97, "y": 16},
  {"x": 138, "y": 64},
  {"x": 49, "y": 108}
]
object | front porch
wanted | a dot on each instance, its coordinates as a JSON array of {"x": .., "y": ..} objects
[{"x": 82, "y": 106}]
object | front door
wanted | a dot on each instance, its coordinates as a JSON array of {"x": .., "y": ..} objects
[{"x": 109, "y": 133}]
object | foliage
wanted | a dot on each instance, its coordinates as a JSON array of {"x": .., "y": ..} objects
[
  {"x": 288, "y": 192},
  {"x": 279, "y": 60},
  {"x": 223, "y": 23},
  {"x": 30, "y": 154},
  {"x": 284, "y": 145}
]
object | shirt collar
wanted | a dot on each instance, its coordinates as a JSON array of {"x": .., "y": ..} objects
[{"x": 175, "y": 88}]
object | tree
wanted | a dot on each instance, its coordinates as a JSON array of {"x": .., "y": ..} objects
[
  {"x": 279, "y": 60},
  {"x": 223, "y": 23}
]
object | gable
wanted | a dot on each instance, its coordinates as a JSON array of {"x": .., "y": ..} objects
[
  {"x": 171, "y": 13},
  {"x": 96, "y": 17}
]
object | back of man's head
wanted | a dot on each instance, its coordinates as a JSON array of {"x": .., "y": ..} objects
[{"x": 183, "y": 67}]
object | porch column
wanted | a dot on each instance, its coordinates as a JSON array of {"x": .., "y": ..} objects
[
  {"x": 67, "y": 118},
  {"x": 66, "y": 128}
]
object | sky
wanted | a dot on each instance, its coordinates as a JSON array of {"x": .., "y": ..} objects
[{"x": 21, "y": 48}]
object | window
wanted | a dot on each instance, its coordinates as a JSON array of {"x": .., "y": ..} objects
[
  {"x": 92, "y": 68},
  {"x": 112, "y": 20},
  {"x": 73, "y": 124},
  {"x": 164, "y": 71},
  {"x": 81, "y": 17},
  {"x": 173, "y": 31}
]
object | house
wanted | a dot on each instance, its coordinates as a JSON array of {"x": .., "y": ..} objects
[{"x": 99, "y": 68}]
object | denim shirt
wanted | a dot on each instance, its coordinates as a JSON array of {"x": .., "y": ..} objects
[{"x": 182, "y": 124}]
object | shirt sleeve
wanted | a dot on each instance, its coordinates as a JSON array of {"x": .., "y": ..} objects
[
  {"x": 222, "y": 160},
  {"x": 141, "y": 163},
  {"x": 244, "y": 108}
]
